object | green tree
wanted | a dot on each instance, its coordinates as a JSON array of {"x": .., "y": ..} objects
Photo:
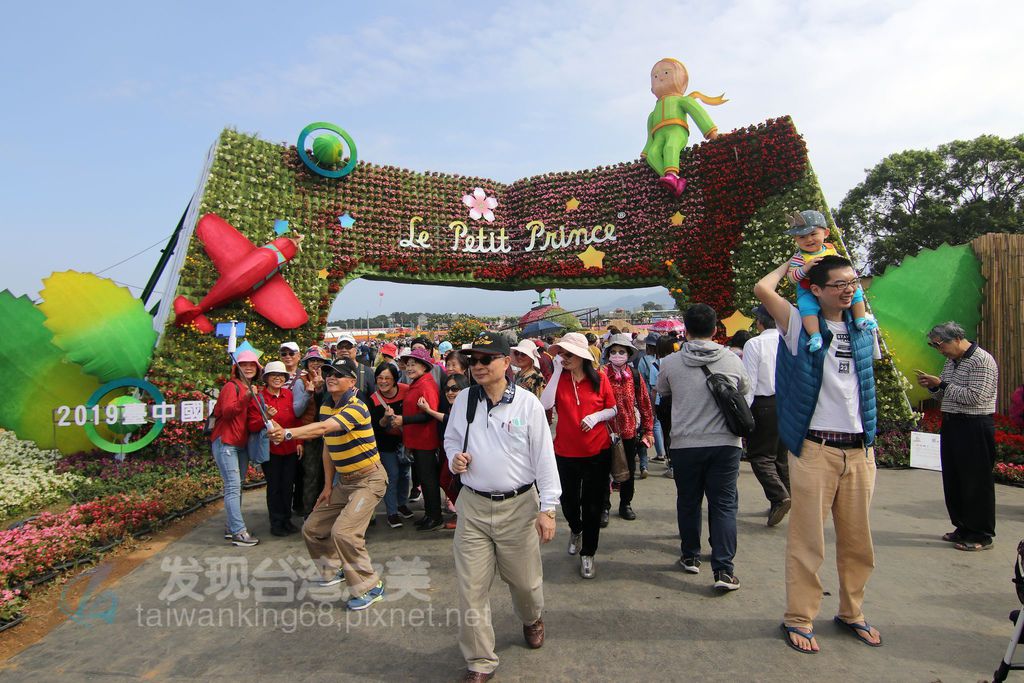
[
  {"x": 650, "y": 306},
  {"x": 920, "y": 199}
]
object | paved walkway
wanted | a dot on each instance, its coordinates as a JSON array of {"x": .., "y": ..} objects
[{"x": 942, "y": 613}]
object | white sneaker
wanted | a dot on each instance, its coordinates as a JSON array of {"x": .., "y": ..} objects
[
  {"x": 587, "y": 566},
  {"x": 575, "y": 542}
]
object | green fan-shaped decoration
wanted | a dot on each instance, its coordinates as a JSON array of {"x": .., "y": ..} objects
[
  {"x": 98, "y": 324},
  {"x": 37, "y": 379},
  {"x": 933, "y": 287}
]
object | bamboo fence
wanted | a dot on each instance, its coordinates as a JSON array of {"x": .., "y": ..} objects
[{"x": 1002, "y": 313}]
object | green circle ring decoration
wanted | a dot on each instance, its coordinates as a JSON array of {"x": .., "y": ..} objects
[
  {"x": 110, "y": 446},
  {"x": 329, "y": 148}
]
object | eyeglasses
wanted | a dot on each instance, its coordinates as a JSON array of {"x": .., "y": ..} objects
[
  {"x": 842, "y": 286},
  {"x": 482, "y": 360},
  {"x": 451, "y": 389},
  {"x": 935, "y": 344}
]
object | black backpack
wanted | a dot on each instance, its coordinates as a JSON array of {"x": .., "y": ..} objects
[{"x": 731, "y": 402}]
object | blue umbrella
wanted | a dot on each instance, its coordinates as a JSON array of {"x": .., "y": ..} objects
[{"x": 541, "y": 327}]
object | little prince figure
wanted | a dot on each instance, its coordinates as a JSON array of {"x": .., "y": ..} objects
[{"x": 667, "y": 128}]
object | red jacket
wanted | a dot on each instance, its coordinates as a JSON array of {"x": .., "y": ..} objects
[
  {"x": 421, "y": 436},
  {"x": 231, "y": 411},
  {"x": 572, "y": 405},
  {"x": 285, "y": 417}
]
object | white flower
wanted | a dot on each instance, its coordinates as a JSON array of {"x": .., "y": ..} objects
[{"x": 480, "y": 205}]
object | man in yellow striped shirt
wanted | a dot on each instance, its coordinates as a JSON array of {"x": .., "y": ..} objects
[{"x": 334, "y": 530}]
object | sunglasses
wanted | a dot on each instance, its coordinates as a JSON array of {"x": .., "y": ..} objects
[
  {"x": 482, "y": 360},
  {"x": 451, "y": 389},
  {"x": 566, "y": 355},
  {"x": 327, "y": 372},
  {"x": 288, "y": 352}
]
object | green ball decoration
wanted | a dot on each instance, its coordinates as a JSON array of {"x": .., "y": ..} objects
[
  {"x": 327, "y": 149},
  {"x": 119, "y": 428}
]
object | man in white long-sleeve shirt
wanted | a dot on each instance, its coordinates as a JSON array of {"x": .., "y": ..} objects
[
  {"x": 767, "y": 456},
  {"x": 506, "y": 461}
]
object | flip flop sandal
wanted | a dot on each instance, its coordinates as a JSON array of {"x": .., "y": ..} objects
[
  {"x": 951, "y": 537},
  {"x": 857, "y": 629},
  {"x": 809, "y": 635},
  {"x": 972, "y": 547}
]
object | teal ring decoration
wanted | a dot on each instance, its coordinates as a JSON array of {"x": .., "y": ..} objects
[
  {"x": 312, "y": 165},
  {"x": 110, "y": 446}
]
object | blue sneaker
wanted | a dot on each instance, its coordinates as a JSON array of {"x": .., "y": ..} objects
[
  {"x": 371, "y": 596},
  {"x": 338, "y": 577},
  {"x": 814, "y": 343},
  {"x": 865, "y": 324}
]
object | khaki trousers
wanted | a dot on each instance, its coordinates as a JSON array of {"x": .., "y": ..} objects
[
  {"x": 335, "y": 532},
  {"x": 495, "y": 535},
  {"x": 825, "y": 479}
]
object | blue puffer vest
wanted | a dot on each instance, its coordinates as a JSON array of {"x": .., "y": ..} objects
[{"x": 798, "y": 381}]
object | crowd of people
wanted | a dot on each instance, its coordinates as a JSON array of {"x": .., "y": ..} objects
[{"x": 494, "y": 436}]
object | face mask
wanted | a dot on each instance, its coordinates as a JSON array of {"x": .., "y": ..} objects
[{"x": 618, "y": 359}]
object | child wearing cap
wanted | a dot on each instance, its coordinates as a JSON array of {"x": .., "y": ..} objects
[{"x": 809, "y": 231}]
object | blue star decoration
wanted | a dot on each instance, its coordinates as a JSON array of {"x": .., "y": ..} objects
[
  {"x": 280, "y": 227},
  {"x": 346, "y": 220}
]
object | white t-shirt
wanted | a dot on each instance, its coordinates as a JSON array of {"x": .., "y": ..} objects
[{"x": 838, "y": 408}]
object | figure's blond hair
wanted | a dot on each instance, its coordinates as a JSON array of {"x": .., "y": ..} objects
[{"x": 681, "y": 78}]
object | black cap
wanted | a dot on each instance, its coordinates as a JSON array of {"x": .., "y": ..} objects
[
  {"x": 759, "y": 311},
  {"x": 343, "y": 367},
  {"x": 491, "y": 343}
]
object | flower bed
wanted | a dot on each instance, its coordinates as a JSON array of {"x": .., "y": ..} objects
[
  {"x": 892, "y": 445},
  {"x": 30, "y": 480},
  {"x": 109, "y": 500}
]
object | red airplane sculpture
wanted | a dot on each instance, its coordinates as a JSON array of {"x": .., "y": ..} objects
[{"x": 245, "y": 271}]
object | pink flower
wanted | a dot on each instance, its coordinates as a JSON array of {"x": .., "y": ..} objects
[{"x": 480, "y": 205}]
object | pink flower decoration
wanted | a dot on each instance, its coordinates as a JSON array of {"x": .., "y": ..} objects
[{"x": 480, "y": 205}]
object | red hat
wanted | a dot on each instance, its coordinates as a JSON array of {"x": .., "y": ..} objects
[{"x": 389, "y": 350}]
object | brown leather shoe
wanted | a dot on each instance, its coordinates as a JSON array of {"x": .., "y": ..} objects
[
  {"x": 534, "y": 634},
  {"x": 476, "y": 677}
]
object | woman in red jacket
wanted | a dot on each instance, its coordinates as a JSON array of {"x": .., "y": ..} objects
[
  {"x": 229, "y": 442},
  {"x": 583, "y": 400},
  {"x": 632, "y": 399},
  {"x": 419, "y": 433},
  {"x": 279, "y": 471}
]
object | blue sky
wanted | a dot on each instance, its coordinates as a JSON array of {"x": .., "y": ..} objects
[{"x": 109, "y": 108}]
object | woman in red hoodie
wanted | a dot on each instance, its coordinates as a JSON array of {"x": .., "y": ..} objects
[
  {"x": 419, "y": 433},
  {"x": 279, "y": 471},
  {"x": 229, "y": 441}
]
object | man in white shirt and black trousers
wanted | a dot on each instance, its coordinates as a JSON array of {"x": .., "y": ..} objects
[
  {"x": 765, "y": 452},
  {"x": 506, "y": 461}
]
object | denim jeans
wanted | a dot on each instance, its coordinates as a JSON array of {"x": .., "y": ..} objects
[
  {"x": 397, "y": 492},
  {"x": 710, "y": 471},
  {"x": 233, "y": 463},
  {"x": 659, "y": 438}
]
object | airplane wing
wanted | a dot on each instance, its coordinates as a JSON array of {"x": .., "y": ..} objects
[
  {"x": 224, "y": 244},
  {"x": 276, "y": 302}
]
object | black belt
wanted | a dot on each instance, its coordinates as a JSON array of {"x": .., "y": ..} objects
[
  {"x": 504, "y": 495},
  {"x": 855, "y": 440}
]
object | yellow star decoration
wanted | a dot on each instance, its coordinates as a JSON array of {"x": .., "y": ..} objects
[
  {"x": 572, "y": 204},
  {"x": 677, "y": 218},
  {"x": 592, "y": 258},
  {"x": 736, "y": 322},
  {"x": 322, "y": 273}
]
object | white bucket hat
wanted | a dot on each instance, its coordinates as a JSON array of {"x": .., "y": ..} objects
[
  {"x": 275, "y": 366},
  {"x": 528, "y": 348},
  {"x": 574, "y": 343}
]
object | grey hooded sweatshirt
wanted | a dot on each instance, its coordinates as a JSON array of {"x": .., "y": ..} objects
[{"x": 696, "y": 419}]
